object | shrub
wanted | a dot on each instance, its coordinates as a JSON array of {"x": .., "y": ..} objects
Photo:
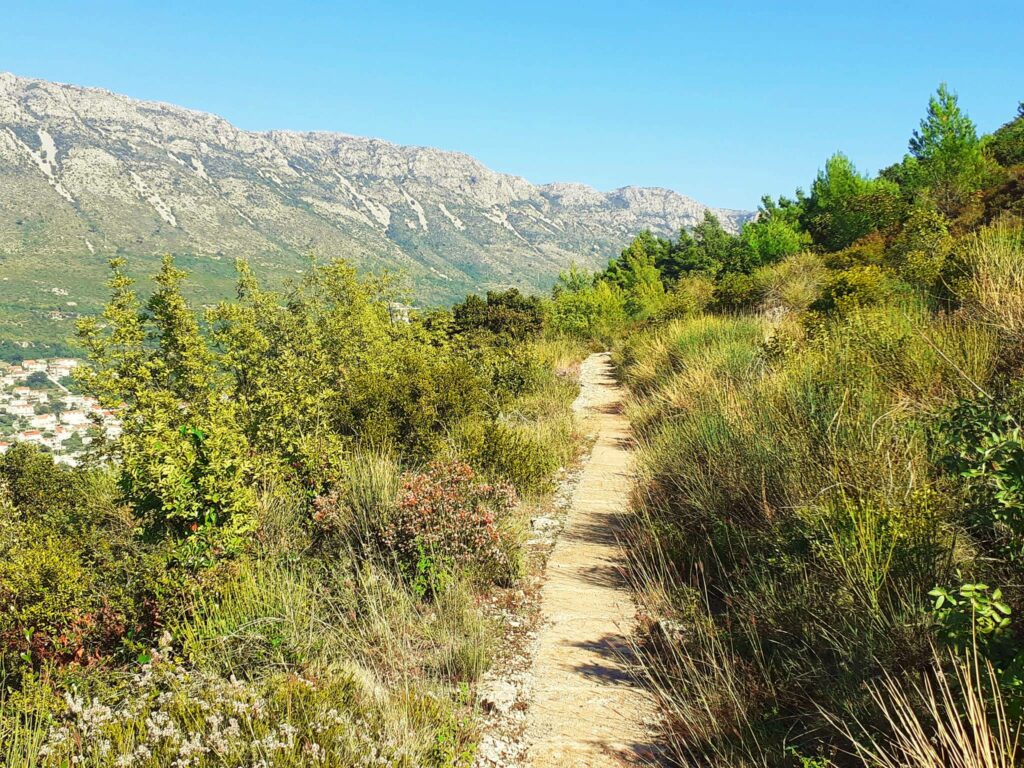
[
  {"x": 690, "y": 295},
  {"x": 587, "y": 310},
  {"x": 504, "y": 313},
  {"x": 920, "y": 250},
  {"x": 446, "y": 519},
  {"x": 856, "y": 286},
  {"x": 72, "y": 602},
  {"x": 793, "y": 490},
  {"x": 982, "y": 444},
  {"x": 507, "y": 453},
  {"x": 38, "y": 488},
  {"x": 793, "y": 284},
  {"x": 866, "y": 251},
  {"x": 736, "y": 290}
]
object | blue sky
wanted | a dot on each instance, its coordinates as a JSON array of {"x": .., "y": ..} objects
[{"x": 722, "y": 100}]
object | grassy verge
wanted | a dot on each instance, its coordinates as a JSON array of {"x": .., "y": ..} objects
[{"x": 797, "y": 516}]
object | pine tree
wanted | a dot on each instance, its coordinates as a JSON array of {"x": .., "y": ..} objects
[{"x": 946, "y": 153}]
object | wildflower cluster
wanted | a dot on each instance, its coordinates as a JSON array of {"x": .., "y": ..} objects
[
  {"x": 448, "y": 517},
  {"x": 183, "y": 718}
]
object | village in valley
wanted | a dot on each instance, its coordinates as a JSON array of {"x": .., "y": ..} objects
[{"x": 40, "y": 404}]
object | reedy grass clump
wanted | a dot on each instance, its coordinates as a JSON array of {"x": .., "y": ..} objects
[{"x": 954, "y": 717}]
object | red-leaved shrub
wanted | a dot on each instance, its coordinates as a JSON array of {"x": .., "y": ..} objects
[{"x": 446, "y": 517}]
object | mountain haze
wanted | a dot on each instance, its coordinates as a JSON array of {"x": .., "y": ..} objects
[{"x": 86, "y": 174}]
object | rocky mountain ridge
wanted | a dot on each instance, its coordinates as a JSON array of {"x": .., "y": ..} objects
[{"x": 86, "y": 173}]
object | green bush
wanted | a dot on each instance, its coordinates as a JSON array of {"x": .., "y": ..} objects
[
  {"x": 920, "y": 250},
  {"x": 736, "y": 290},
  {"x": 508, "y": 453},
  {"x": 853, "y": 287},
  {"x": 503, "y": 313},
  {"x": 76, "y": 585},
  {"x": 1006, "y": 145}
]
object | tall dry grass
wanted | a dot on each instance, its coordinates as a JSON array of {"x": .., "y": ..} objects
[
  {"x": 788, "y": 531},
  {"x": 953, "y": 717}
]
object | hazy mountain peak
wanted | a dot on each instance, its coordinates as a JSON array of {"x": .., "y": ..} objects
[{"x": 85, "y": 173}]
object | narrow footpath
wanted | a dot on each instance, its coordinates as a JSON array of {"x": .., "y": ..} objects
[{"x": 587, "y": 710}]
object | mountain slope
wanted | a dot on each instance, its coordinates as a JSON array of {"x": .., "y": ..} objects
[{"x": 85, "y": 174}]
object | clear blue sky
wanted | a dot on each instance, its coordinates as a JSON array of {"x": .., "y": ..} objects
[{"x": 720, "y": 100}]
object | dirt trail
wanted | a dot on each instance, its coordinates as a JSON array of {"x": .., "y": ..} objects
[{"x": 587, "y": 711}]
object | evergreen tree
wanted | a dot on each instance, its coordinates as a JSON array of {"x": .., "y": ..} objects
[
  {"x": 844, "y": 205},
  {"x": 947, "y": 155}
]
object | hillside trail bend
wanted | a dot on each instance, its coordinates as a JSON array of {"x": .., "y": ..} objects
[{"x": 587, "y": 709}]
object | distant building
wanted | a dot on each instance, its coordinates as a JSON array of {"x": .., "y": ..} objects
[
  {"x": 45, "y": 421},
  {"x": 4, "y": 447},
  {"x": 20, "y": 408},
  {"x": 75, "y": 418},
  {"x": 399, "y": 313}
]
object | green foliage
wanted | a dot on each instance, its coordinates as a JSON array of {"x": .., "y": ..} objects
[
  {"x": 856, "y": 286},
  {"x": 771, "y": 238},
  {"x": 920, "y": 250},
  {"x": 969, "y": 614},
  {"x": 737, "y": 290},
  {"x": 1006, "y": 145},
  {"x": 37, "y": 379},
  {"x": 982, "y": 443},
  {"x": 508, "y": 453},
  {"x": 504, "y": 313},
  {"x": 869, "y": 250},
  {"x": 636, "y": 262},
  {"x": 713, "y": 248},
  {"x": 255, "y": 506},
  {"x": 844, "y": 206},
  {"x": 584, "y": 309},
  {"x": 37, "y": 488},
  {"x": 76, "y": 585},
  {"x": 946, "y": 157},
  {"x": 185, "y": 460}
]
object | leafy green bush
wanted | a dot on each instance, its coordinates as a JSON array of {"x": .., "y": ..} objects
[
  {"x": 509, "y": 453},
  {"x": 76, "y": 585},
  {"x": 1006, "y": 145},
  {"x": 982, "y": 444},
  {"x": 920, "y": 250},
  {"x": 503, "y": 313},
  {"x": 583, "y": 309},
  {"x": 736, "y": 290},
  {"x": 853, "y": 287}
]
